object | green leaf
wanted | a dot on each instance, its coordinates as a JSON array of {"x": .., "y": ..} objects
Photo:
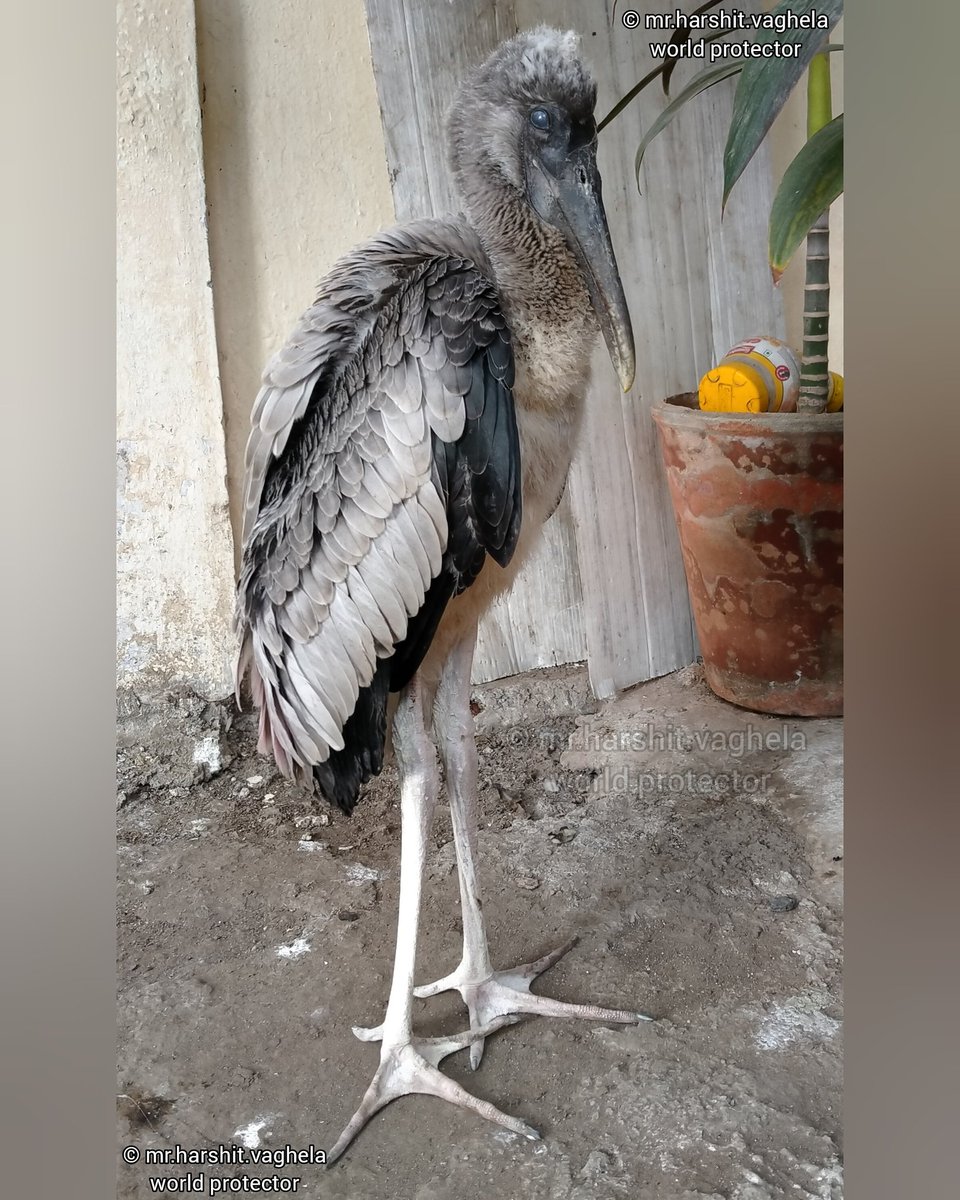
[
  {"x": 650, "y": 76},
  {"x": 809, "y": 186},
  {"x": 706, "y": 79},
  {"x": 635, "y": 91},
  {"x": 680, "y": 38},
  {"x": 765, "y": 83}
]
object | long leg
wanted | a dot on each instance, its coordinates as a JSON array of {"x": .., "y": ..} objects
[
  {"x": 456, "y": 736},
  {"x": 489, "y": 994},
  {"x": 408, "y": 1065}
]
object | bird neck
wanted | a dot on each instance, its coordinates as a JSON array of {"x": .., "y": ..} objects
[
  {"x": 551, "y": 320},
  {"x": 537, "y": 275}
]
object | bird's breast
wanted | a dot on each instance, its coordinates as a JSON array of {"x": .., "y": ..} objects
[{"x": 553, "y": 373}]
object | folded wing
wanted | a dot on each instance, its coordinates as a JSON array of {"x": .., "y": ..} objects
[{"x": 382, "y": 468}]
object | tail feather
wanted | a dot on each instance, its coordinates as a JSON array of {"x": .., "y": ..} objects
[{"x": 341, "y": 777}]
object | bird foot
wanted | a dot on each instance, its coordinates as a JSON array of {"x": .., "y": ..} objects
[
  {"x": 502, "y": 995},
  {"x": 411, "y": 1067}
]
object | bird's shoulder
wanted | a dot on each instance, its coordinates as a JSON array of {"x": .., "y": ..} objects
[{"x": 423, "y": 290}]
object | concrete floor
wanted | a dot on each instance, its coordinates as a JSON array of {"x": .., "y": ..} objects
[{"x": 695, "y": 848}]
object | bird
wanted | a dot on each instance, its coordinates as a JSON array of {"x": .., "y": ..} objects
[{"x": 408, "y": 444}]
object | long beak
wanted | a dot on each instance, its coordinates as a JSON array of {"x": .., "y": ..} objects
[{"x": 578, "y": 196}]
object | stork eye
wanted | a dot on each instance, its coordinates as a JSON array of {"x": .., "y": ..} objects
[{"x": 540, "y": 118}]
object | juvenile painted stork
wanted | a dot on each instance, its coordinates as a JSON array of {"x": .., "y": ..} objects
[{"x": 408, "y": 444}]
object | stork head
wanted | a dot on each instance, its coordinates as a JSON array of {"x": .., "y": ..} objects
[{"x": 524, "y": 121}]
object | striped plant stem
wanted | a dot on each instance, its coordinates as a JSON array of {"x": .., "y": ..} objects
[
  {"x": 814, "y": 369},
  {"x": 814, "y": 376}
]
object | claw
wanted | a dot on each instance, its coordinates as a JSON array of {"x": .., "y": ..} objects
[
  {"x": 368, "y": 1033},
  {"x": 507, "y": 993},
  {"x": 412, "y": 1068},
  {"x": 446, "y": 984}
]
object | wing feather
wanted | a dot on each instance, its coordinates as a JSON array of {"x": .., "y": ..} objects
[{"x": 382, "y": 467}]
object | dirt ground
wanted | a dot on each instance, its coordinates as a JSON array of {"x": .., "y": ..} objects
[{"x": 695, "y": 848}]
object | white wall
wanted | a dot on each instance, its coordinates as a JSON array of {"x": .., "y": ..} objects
[
  {"x": 175, "y": 578},
  {"x": 296, "y": 174},
  {"x": 223, "y": 232}
]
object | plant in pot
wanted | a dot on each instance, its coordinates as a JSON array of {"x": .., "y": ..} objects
[{"x": 758, "y": 494}]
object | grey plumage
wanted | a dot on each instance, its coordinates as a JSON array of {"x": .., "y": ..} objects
[
  {"x": 432, "y": 391},
  {"x": 346, "y": 519}
]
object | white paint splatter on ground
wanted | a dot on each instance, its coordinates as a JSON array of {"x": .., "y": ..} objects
[
  {"x": 310, "y": 846},
  {"x": 796, "y": 1019},
  {"x": 357, "y": 873},
  {"x": 207, "y": 753},
  {"x": 249, "y": 1135},
  {"x": 297, "y": 947}
]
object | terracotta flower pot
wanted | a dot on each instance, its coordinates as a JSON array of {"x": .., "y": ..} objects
[{"x": 759, "y": 505}]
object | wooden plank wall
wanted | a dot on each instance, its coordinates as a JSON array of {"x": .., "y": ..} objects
[{"x": 607, "y": 584}]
